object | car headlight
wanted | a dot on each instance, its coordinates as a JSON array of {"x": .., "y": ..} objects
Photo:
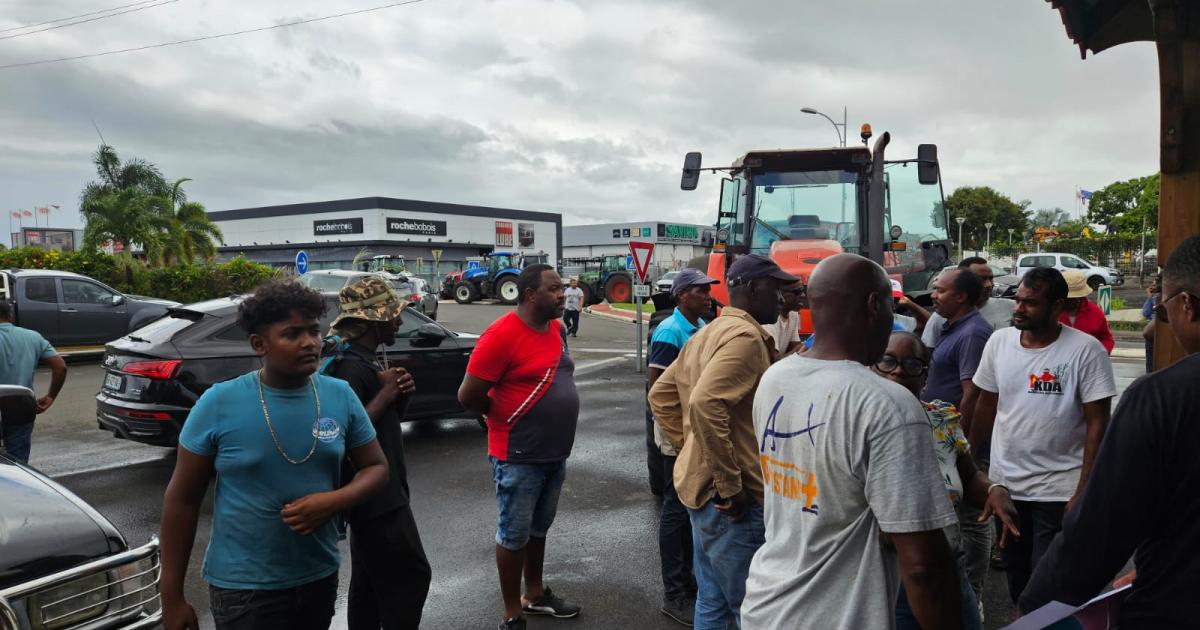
[{"x": 69, "y": 604}]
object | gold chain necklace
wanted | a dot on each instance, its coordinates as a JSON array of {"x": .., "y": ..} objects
[{"x": 262, "y": 399}]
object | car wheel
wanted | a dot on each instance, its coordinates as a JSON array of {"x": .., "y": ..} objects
[
  {"x": 1095, "y": 282},
  {"x": 465, "y": 293},
  {"x": 507, "y": 291}
]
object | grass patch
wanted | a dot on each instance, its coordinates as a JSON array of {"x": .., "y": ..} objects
[
  {"x": 628, "y": 306},
  {"x": 1127, "y": 326}
]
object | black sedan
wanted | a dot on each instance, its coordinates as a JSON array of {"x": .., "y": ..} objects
[{"x": 154, "y": 375}]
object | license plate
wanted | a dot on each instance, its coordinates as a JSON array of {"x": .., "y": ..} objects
[{"x": 113, "y": 382}]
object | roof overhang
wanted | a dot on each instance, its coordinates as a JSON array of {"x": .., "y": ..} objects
[
  {"x": 845, "y": 158},
  {"x": 1098, "y": 25}
]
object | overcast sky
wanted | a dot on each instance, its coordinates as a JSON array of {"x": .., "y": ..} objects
[{"x": 583, "y": 108}]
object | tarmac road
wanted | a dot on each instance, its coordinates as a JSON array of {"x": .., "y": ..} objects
[{"x": 602, "y": 550}]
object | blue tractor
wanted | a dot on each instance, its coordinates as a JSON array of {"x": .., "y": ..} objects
[{"x": 494, "y": 277}]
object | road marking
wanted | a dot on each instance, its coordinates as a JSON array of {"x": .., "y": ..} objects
[{"x": 592, "y": 366}]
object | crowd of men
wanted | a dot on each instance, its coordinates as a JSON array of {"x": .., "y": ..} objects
[{"x": 856, "y": 483}]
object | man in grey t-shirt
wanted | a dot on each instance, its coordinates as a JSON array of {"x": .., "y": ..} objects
[
  {"x": 573, "y": 297},
  {"x": 851, "y": 481}
]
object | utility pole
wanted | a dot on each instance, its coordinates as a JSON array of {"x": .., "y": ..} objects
[
  {"x": 988, "y": 243},
  {"x": 960, "y": 220}
]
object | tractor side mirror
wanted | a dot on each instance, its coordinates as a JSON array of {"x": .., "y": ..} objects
[
  {"x": 691, "y": 171},
  {"x": 927, "y": 164}
]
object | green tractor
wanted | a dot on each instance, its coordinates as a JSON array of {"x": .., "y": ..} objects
[{"x": 601, "y": 278}]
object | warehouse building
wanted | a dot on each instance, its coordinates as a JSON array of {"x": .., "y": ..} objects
[{"x": 674, "y": 243}]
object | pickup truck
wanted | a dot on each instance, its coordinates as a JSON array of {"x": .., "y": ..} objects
[{"x": 69, "y": 309}]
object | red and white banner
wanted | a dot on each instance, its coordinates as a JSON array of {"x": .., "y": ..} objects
[{"x": 504, "y": 234}]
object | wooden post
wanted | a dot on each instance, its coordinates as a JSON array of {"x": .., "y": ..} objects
[{"x": 1179, "y": 85}]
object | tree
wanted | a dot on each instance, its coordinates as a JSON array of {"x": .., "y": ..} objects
[
  {"x": 124, "y": 216},
  {"x": 189, "y": 231},
  {"x": 980, "y": 205},
  {"x": 1049, "y": 217},
  {"x": 1122, "y": 206}
]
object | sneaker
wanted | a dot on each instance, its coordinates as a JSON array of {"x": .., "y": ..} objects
[
  {"x": 551, "y": 604},
  {"x": 681, "y": 609},
  {"x": 516, "y": 623}
]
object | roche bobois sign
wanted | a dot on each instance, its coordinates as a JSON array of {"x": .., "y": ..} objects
[
  {"x": 423, "y": 227},
  {"x": 338, "y": 226}
]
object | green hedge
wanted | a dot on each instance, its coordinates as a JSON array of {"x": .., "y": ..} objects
[{"x": 184, "y": 283}]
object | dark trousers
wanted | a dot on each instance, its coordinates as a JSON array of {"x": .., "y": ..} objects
[
  {"x": 571, "y": 320},
  {"x": 1039, "y": 523},
  {"x": 389, "y": 574},
  {"x": 1149, "y": 356},
  {"x": 674, "y": 538},
  {"x": 305, "y": 607}
]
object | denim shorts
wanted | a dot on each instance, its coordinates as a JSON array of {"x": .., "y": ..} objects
[{"x": 528, "y": 497}]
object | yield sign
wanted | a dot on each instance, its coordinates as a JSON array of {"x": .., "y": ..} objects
[{"x": 642, "y": 251}]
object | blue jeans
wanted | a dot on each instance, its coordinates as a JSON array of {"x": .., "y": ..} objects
[
  {"x": 722, "y": 550},
  {"x": 970, "y": 605},
  {"x": 528, "y": 497},
  {"x": 18, "y": 440}
]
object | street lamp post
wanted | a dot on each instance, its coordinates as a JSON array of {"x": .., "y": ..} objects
[
  {"x": 960, "y": 220},
  {"x": 1010, "y": 231},
  {"x": 987, "y": 247},
  {"x": 841, "y": 133}
]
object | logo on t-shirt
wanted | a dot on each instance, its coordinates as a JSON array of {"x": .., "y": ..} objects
[
  {"x": 1049, "y": 381},
  {"x": 785, "y": 478},
  {"x": 326, "y": 430}
]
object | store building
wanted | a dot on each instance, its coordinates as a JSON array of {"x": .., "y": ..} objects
[
  {"x": 674, "y": 243},
  {"x": 333, "y": 233}
]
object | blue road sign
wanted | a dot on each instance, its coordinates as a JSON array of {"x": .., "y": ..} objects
[
  {"x": 301, "y": 262},
  {"x": 629, "y": 262}
]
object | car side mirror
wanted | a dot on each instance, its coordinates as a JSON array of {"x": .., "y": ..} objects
[
  {"x": 431, "y": 334},
  {"x": 118, "y": 299}
]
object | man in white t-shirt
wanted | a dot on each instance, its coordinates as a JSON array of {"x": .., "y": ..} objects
[
  {"x": 573, "y": 303},
  {"x": 851, "y": 481},
  {"x": 1045, "y": 391},
  {"x": 996, "y": 311},
  {"x": 785, "y": 331}
]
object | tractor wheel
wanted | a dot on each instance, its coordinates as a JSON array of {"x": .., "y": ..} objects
[
  {"x": 507, "y": 291},
  {"x": 1095, "y": 282},
  {"x": 465, "y": 293},
  {"x": 587, "y": 295},
  {"x": 618, "y": 289}
]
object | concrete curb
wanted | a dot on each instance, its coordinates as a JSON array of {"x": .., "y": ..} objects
[{"x": 603, "y": 311}]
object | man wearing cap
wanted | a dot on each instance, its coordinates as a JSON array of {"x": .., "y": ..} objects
[
  {"x": 692, "y": 292},
  {"x": 703, "y": 402},
  {"x": 1082, "y": 314},
  {"x": 389, "y": 573}
]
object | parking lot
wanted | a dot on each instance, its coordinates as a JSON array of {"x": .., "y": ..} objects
[{"x": 602, "y": 551}]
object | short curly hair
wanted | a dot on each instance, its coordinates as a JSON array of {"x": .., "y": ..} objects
[{"x": 275, "y": 301}]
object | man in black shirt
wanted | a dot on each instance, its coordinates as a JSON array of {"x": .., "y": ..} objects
[
  {"x": 1142, "y": 492},
  {"x": 389, "y": 574}
]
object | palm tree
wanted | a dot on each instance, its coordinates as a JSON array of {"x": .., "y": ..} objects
[
  {"x": 120, "y": 207},
  {"x": 189, "y": 230}
]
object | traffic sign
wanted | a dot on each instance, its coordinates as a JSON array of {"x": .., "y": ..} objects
[
  {"x": 1104, "y": 299},
  {"x": 642, "y": 252},
  {"x": 301, "y": 262},
  {"x": 629, "y": 263},
  {"x": 641, "y": 290}
]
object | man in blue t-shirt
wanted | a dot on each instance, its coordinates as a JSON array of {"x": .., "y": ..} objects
[
  {"x": 691, "y": 290},
  {"x": 21, "y": 351},
  {"x": 275, "y": 439}
]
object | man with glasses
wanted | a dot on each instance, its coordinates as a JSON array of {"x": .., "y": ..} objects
[
  {"x": 848, "y": 463},
  {"x": 1142, "y": 496},
  {"x": 1044, "y": 401}
]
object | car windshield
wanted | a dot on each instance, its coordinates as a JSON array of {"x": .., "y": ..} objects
[
  {"x": 804, "y": 205},
  {"x": 324, "y": 282}
]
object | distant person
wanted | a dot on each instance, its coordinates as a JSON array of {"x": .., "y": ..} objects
[
  {"x": 1082, "y": 314},
  {"x": 522, "y": 380},
  {"x": 906, "y": 363},
  {"x": 692, "y": 292},
  {"x": 785, "y": 330},
  {"x": 849, "y": 463},
  {"x": 274, "y": 439},
  {"x": 21, "y": 351},
  {"x": 703, "y": 403},
  {"x": 389, "y": 573},
  {"x": 573, "y": 305},
  {"x": 1141, "y": 499},
  {"x": 1153, "y": 292},
  {"x": 996, "y": 311},
  {"x": 1045, "y": 391}
]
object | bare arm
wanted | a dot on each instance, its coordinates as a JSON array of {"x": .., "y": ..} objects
[
  {"x": 969, "y": 398},
  {"x": 928, "y": 570},
  {"x": 473, "y": 394},
  {"x": 396, "y": 387},
  {"x": 58, "y": 376},
  {"x": 181, "y": 511},
  {"x": 918, "y": 313},
  {"x": 996, "y": 503},
  {"x": 984, "y": 419},
  {"x": 307, "y": 514},
  {"x": 652, "y": 374},
  {"x": 666, "y": 406},
  {"x": 1095, "y": 417}
]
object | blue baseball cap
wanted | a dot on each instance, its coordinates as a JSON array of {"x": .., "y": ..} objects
[{"x": 689, "y": 278}]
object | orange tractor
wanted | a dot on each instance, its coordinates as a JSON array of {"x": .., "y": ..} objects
[{"x": 800, "y": 206}]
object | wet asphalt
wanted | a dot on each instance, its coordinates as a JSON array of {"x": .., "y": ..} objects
[{"x": 602, "y": 551}]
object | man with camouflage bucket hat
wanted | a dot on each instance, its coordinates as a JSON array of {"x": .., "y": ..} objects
[{"x": 389, "y": 573}]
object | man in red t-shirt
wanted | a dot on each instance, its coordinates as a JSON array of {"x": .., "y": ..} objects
[
  {"x": 1083, "y": 315},
  {"x": 521, "y": 379}
]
